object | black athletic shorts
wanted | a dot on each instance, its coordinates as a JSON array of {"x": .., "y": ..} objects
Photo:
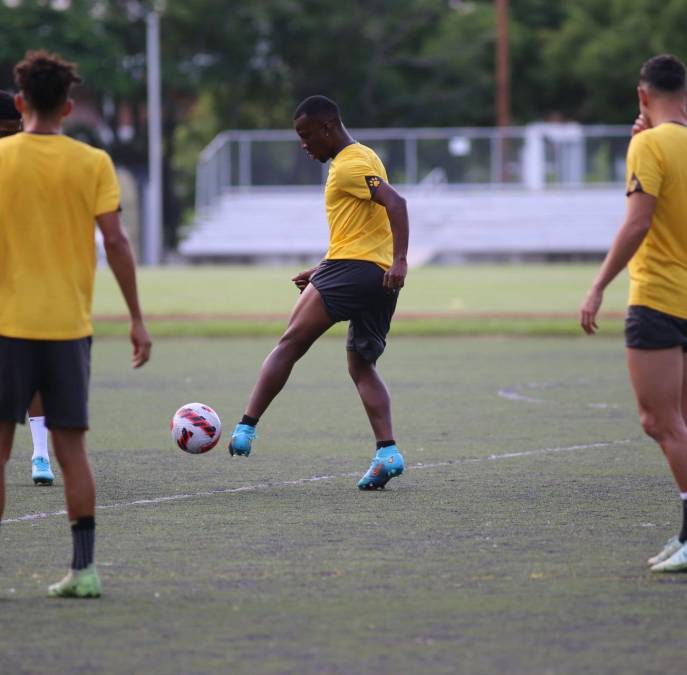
[
  {"x": 58, "y": 369},
  {"x": 353, "y": 290},
  {"x": 647, "y": 328}
]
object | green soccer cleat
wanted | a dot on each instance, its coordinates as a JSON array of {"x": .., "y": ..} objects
[
  {"x": 672, "y": 546},
  {"x": 77, "y": 584},
  {"x": 676, "y": 563}
]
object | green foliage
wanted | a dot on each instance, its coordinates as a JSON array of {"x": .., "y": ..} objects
[{"x": 387, "y": 62}]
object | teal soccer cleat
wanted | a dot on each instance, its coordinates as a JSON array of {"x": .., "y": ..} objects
[
  {"x": 242, "y": 440},
  {"x": 41, "y": 472},
  {"x": 387, "y": 464}
]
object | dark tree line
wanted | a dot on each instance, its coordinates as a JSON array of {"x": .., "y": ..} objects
[{"x": 387, "y": 62}]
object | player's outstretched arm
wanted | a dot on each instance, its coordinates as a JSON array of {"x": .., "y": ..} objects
[
  {"x": 397, "y": 211},
  {"x": 640, "y": 209},
  {"x": 121, "y": 261}
]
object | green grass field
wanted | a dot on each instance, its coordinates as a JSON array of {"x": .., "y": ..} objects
[
  {"x": 515, "y": 542},
  {"x": 471, "y": 299}
]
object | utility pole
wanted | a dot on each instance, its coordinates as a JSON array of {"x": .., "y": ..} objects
[
  {"x": 502, "y": 87},
  {"x": 502, "y": 65},
  {"x": 152, "y": 238}
]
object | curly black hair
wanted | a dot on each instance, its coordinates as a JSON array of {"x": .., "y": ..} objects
[{"x": 44, "y": 80}]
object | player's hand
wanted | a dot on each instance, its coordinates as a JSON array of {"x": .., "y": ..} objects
[
  {"x": 640, "y": 124},
  {"x": 302, "y": 280},
  {"x": 589, "y": 310},
  {"x": 142, "y": 343},
  {"x": 396, "y": 275}
]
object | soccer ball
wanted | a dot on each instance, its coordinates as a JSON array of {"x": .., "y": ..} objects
[{"x": 196, "y": 428}]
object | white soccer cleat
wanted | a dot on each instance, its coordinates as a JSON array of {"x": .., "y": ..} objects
[
  {"x": 672, "y": 546},
  {"x": 676, "y": 563}
]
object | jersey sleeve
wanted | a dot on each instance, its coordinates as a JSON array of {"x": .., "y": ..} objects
[
  {"x": 644, "y": 172},
  {"x": 358, "y": 178},
  {"x": 107, "y": 192}
]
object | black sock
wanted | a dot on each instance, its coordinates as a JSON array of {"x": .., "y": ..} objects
[
  {"x": 683, "y": 532},
  {"x": 247, "y": 419},
  {"x": 83, "y": 539},
  {"x": 385, "y": 444}
]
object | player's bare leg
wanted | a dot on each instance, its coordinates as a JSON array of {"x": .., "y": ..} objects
[
  {"x": 36, "y": 407},
  {"x": 79, "y": 486},
  {"x": 82, "y": 581},
  {"x": 388, "y": 462},
  {"x": 308, "y": 321},
  {"x": 6, "y": 437},
  {"x": 374, "y": 395},
  {"x": 684, "y": 387},
  {"x": 658, "y": 378}
]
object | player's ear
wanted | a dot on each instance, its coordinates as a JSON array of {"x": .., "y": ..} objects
[
  {"x": 19, "y": 103},
  {"x": 643, "y": 96},
  {"x": 68, "y": 107}
]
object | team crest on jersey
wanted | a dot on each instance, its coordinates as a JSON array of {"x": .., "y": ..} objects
[
  {"x": 634, "y": 185},
  {"x": 373, "y": 182}
]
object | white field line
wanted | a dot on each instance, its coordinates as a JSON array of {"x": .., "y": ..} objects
[
  {"x": 317, "y": 479},
  {"x": 512, "y": 394}
]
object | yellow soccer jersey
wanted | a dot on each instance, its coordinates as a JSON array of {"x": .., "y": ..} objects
[
  {"x": 657, "y": 165},
  {"x": 51, "y": 189},
  {"x": 358, "y": 227}
]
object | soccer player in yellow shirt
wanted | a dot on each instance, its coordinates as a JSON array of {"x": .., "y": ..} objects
[
  {"x": 54, "y": 190},
  {"x": 653, "y": 240},
  {"x": 358, "y": 281},
  {"x": 41, "y": 471}
]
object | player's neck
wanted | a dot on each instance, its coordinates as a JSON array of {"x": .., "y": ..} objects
[
  {"x": 35, "y": 124},
  {"x": 344, "y": 139},
  {"x": 668, "y": 113}
]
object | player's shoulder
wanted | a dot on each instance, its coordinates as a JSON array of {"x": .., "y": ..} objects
[
  {"x": 366, "y": 152},
  {"x": 7, "y": 142},
  {"x": 359, "y": 155},
  {"x": 666, "y": 142},
  {"x": 667, "y": 132},
  {"x": 84, "y": 149},
  {"x": 645, "y": 141}
]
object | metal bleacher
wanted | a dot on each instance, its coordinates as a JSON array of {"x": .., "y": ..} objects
[{"x": 562, "y": 195}]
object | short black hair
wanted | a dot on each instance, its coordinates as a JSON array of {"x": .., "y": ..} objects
[
  {"x": 8, "y": 111},
  {"x": 44, "y": 80},
  {"x": 317, "y": 106},
  {"x": 664, "y": 72}
]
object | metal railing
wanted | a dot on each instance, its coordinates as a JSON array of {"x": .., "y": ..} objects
[{"x": 533, "y": 157}]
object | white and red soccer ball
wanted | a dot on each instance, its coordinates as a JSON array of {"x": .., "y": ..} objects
[{"x": 196, "y": 428}]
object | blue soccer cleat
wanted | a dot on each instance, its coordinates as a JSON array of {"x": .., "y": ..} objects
[
  {"x": 387, "y": 464},
  {"x": 41, "y": 472},
  {"x": 242, "y": 440}
]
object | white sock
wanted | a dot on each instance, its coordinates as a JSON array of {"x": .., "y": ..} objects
[
  {"x": 684, "y": 496},
  {"x": 39, "y": 434}
]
